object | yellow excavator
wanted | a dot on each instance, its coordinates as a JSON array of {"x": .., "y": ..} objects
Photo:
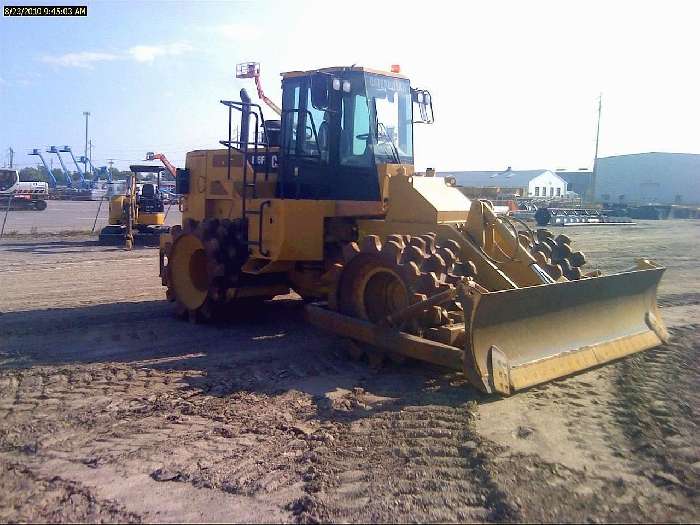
[
  {"x": 325, "y": 201},
  {"x": 138, "y": 215}
]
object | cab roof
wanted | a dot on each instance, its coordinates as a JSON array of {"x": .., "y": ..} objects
[
  {"x": 145, "y": 168},
  {"x": 340, "y": 69}
]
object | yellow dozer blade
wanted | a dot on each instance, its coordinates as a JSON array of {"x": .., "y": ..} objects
[
  {"x": 509, "y": 308},
  {"x": 514, "y": 339},
  {"x": 523, "y": 337}
]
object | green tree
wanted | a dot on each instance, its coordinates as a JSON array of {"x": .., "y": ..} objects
[
  {"x": 30, "y": 174},
  {"x": 116, "y": 174},
  {"x": 59, "y": 176}
]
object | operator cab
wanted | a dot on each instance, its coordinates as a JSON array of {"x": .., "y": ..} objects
[
  {"x": 338, "y": 125},
  {"x": 9, "y": 178},
  {"x": 148, "y": 195}
]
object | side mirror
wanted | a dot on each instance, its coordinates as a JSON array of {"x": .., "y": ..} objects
[
  {"x": 422, "y": 98},
  {"x": 320, "y": 85}
]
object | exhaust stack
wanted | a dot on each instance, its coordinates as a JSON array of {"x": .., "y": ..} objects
[{"x": 245, "y": 120}]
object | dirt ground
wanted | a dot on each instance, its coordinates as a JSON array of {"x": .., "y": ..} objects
[{"x": 112, "y": 410}]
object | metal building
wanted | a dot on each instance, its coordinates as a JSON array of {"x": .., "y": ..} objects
[
  {"x": 579, "y": 181},
  {"x": 644, "y": 178}
]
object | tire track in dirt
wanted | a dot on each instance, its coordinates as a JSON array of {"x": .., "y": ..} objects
[
  {"x": 630, "y": 433},
  {"x": 659, "y": 403},
  {"x": 29, "y": 498},
  {"x": 403, "y": 455},
  {"x": 222, "y": 420},
  {"x": 679, "y": 299}
]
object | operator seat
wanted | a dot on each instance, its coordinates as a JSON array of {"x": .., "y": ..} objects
[
  {"x": 149, "y": 201},
  {"x": 272, "y": 130},
  {"x": 148, "y": 191}
]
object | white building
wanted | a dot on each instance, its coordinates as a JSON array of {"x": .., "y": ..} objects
[
  {"x": 526, "y": 183},
  {"x": 547, "y": 184}
]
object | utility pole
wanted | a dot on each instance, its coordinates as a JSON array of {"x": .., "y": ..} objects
[
  {"x": 111, "y": 163},
  {"x": 591, "y": 195},
  {"x": 12, "y": 156},
  {"x": 90, "y": 148},
  {"x": 87, "y": 117}
]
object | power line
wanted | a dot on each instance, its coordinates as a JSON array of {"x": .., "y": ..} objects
[
  {"x": 595, "y": 158},
  {"x": 87, "y": 116}
]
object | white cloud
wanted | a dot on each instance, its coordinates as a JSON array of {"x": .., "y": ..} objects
[
  {"x": 140, "y": 53},
  {"x": 84, "y": 59},
  {"x": 236, "y": 31},
  {"x": 149, "y": 53}
]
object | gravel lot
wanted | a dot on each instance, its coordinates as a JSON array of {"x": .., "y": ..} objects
[
  {"x": 62, "y": 216},
  {"x": 112, "y": 410}
]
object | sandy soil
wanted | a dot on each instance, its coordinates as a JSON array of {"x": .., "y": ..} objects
[{"x": 111, "y": 410}]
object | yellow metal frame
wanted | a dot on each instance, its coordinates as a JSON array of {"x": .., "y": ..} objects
[{"x": 150, "y": 219}]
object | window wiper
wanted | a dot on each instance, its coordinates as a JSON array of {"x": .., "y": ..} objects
[{"x": 381, "y": 128}]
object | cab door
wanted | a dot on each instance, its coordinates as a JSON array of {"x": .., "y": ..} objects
[
  {"x": 305, "y": 161},
  {"x": 355, "y": 170}
]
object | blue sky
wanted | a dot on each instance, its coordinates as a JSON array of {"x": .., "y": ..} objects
[{"x": 514, "y": 83}]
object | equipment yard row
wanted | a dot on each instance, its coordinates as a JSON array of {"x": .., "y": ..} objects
[{"x": 113, "y": 410}]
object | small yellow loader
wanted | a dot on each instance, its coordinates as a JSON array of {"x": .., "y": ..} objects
[{"x": 325, "y": 201}]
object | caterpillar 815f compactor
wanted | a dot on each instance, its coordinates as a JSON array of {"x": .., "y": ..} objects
[{"x": 326, "y": 202}]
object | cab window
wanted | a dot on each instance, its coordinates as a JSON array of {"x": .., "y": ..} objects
[
  {"x": 7, "y": 179},
  {"x": 290, "y": 119},
  {"x": 316, "y": 122},
  {"x": 356, "y": 139}
]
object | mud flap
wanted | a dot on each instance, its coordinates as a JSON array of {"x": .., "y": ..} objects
[{"x": 526, "y": 336}]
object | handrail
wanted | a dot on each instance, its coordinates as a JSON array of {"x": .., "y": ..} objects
[
  {"x": 257, "y": 113},
  {"x": 264, "y": 253}
]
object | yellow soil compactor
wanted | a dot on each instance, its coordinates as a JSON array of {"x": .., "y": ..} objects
[{"x": 325, "y": 201}]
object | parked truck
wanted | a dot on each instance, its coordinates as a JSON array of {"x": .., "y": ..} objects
[{"x": 21, "y": 195}]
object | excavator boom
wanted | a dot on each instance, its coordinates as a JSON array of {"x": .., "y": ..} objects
[{"x": 159, "y": 156}]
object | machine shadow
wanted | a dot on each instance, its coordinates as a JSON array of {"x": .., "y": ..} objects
[
  {"x": 266, "y": 348},
  {"x": 43, "y": 247},
  {"x": 57, "y": 247}
]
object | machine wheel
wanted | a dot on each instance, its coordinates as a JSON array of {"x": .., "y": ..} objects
[
  {"x": 203, "y": 261},
  {"x": 40, "y": 205},
  {"x": 556, "y": 256},
  {"x": 377, "y": 279}
]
